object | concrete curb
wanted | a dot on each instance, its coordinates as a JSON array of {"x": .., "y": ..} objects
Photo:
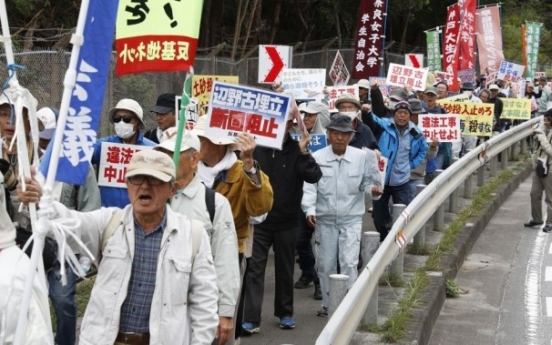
[{"x": 419, "y": 332}]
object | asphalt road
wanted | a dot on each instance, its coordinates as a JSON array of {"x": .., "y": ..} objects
[{"x": 506, "y": 284}]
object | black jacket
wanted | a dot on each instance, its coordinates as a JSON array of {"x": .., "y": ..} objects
[
  {"x": 152, "y": 135},
  {"x": 286, "y": 169}
]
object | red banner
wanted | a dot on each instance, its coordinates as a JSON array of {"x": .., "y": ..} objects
[
  {"x": 369, "y": 39},
  {"x": 524, "y": 44},
  {"x": 489, "y": 39},
  {"x": 467, "y": 36},
  {"x": 450, "y": 46}
]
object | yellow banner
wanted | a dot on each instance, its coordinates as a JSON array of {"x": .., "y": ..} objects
[
  {"x": 516, "y": 108},
  {"x": 202, "y": 84},
  {"x": 475, "y": 118},
  {"x": 462, "y": 97},
  {"x": 157, "y": 35}
]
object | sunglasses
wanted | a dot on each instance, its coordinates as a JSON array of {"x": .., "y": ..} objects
[
  {"x": 139, "y": 179},
  {"x": 117, "y": 118}
]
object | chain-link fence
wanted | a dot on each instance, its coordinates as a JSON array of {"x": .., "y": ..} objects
[{"x": 45, "y": 71}]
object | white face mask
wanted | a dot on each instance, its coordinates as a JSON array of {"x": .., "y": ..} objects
[
  {"x": 124, "y": 130},
  {"x": 352, "y": 114}
]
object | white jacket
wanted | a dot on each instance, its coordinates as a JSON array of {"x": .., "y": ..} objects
[
  {"x": 184, "y": 305},
  {"x": 14, "y": 266},
  {"x": 224, "y": 241}
]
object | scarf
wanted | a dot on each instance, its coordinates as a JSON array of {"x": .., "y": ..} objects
[{"x": 208, "y": 174}]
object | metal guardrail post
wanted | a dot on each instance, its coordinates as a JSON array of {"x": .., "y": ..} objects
[
  {"x": 370, "y": 244},
  {"x": 419, "y": 238},
  {"x": 504, "y": 159},
  {"x": 439, "y": 215},
  {"x": 481, "y": 175},
  {"x": 338, "y": 290},
  {"x": 523, "y": 146},
  {"x": 397, "y": 267},
  {"x": 468, "y": 187},
  {"x": 513, "y": 151},
  {"x": 453, "y": 199},
  {"x": 493, "y": 166}
]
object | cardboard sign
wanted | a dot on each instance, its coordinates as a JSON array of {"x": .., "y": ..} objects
[
  {"x": 510, "y": 71},
  {"x": 304, "y": 83},
  {"x": 317, "y": 141},
  {"x": 475, "y": 118},
  {"x": 339, "y": 74},
  {"x": 235, "y": 109},
  {"x": 516, "y": 108},
  {"x": 406, "y": 76},
  {"x": 445, "y": 127},
  {"x": 202, "y": 85},
  {"x": 335, "y": 91},
  {"x": 114, "y": 160}
]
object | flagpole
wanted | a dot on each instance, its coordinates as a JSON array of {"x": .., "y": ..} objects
[
  {"x": 8, "y": 47},
  {"x": 46, "y": 200}
]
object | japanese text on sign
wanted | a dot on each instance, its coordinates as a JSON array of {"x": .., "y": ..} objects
[
  {"x": 317, "y": 141},
  {"x": 475, "y": 118},
  {"x": 114, "y": 160},
  {"x": 304, "y": 83},
  {"x": 335, "y": 91},
  {"x": 339, "y": 74},
  {"x": 399, "y": 75},
  {"x": 446, "y": 128},
  {"x": 510, "y": 71},
  {"x": 450, "y": 43},
  {"x": 516, "y": 108},
  {"x": 202, "y": 85},
  {"x": 235, "y": 109}
]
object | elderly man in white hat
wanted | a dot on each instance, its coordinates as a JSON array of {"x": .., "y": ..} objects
[
  {"x": 128, "y": 119},
  {"x": 348, "y": 104},
  {"x": 14, "y": 265},
  {"x": 196, "y": 201},
  {"x": 241, "y": 181},
  {"x": 156, "y": 281}
]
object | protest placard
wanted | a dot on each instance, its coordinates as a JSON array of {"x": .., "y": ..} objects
[
  {"x": 304, "y": 83},
  {"x": 445, "y": 127},
  {"x": 382, "y": 85},
  {"x": 540, "y": 74},
  {"x": 335, "y": 91},
  {"x": 400, "y": 75},
  {"x": 202, "y": 84},
  {"x": 317, "y": 141},
  {"x": 516, "y": 108},
  {"x": 467, "y": 75},
  {"x": 475, "y": 118},
  {"x": 234, "y": 109},
  {"x": 114, "y": 160},
  {"x": 461, "y": 97},
  {"x": 510, "y": 71},
  {"x": 339, "y": 74},
  {"x": 441, "y": 76}
]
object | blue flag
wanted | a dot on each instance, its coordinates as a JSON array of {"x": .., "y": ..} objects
[{"x": 85, "y": 107}]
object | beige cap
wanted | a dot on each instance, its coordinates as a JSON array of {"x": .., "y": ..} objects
[
  {"x": 189, "y": 140},
  {"x": 347, "y": 98},
  {"x": 152, "y": 163},
  {"x": 130, "y": 105},
  {"x": 200, "y": 128}
]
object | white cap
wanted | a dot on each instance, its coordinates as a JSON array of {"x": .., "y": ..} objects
[
  {"x": 494, "y": 87},
  {"x": 48, "y": 117},
  {"x": 152, "y": 163},
  {"x": 363, "y": 83},
  {"x": 189, "y": 140},
  {"x": 130, "y": 105},
  {"x": 200, "y": 128}
]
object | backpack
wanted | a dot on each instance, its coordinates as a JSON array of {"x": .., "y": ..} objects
[
  {"x": 210, "y": 202},
  {"x": 115, "y": 222}
]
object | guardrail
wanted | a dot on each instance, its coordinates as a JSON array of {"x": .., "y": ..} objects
[{"x": 344, "y": 321}]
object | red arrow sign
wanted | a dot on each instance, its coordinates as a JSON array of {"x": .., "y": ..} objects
[
  {"x": 414, "y": 60},
  {"x": 277, "y": 64}
]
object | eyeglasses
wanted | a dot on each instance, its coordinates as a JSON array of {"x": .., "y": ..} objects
[
  {"x": 117, "y": 118},
  {"x": 139, "y": 179}
]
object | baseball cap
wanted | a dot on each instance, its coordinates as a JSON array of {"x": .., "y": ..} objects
[
  {"x": 347, "y": 98},
  {"x": 494, "y": 87},
  {"x": 363, "y": 83},
  {"x": 431, "y": 90},
  {"x": 48, "y": 117},
  {"x": 130, "y": 105},
  {"x": 314, "y": 108},
  {"x": 152, "y": 163},
  {"x": 467, "y": 86},
  {"x": 341, "y": 123},
  {"x": 200, "y": 128},
  {"x": 189, "y": 140},
  {"x": 165, "y": 102},
  {"x": 542, "y": 79},
  {"x": 416, "y": 106}
]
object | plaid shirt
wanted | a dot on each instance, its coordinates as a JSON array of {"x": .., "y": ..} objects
[{"x": 135, "y": 311}]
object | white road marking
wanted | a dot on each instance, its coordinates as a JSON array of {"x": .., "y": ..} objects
[
  {"x": 533, "y": 291},
  {"x": 550, "y": 249},
  {"x": 548, "y": 306},
  {"x": 548, "y": 274}
]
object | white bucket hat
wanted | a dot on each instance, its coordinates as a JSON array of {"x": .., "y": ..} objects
[
  {"x": 130, "y": 105},
  {"x": 199, "y": 130},
  {"x": 189, "y": 141}
]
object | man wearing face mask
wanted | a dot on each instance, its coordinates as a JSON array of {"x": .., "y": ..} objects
[
  {"x": 81, "y": 198},
  {"x": 348, "y": 104},
  {"x": 127, "y": 117}
]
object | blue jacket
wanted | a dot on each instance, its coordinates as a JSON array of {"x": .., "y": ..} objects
[
  {"x": 388, "y": 142},
  {"x": 112, "y": 196}
]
